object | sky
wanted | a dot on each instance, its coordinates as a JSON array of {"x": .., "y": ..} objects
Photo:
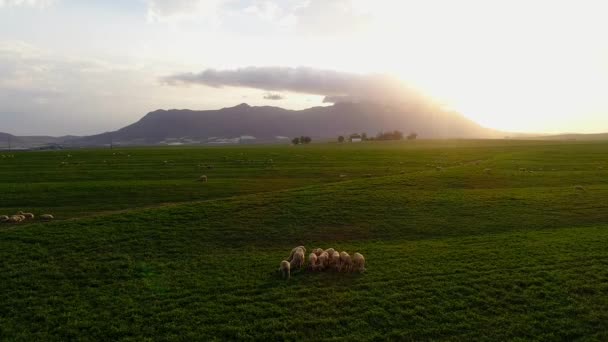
[{"x": 89, "y": 66}]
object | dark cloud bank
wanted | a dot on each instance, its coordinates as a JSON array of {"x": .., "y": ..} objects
[{"x": 336, "y": 86}]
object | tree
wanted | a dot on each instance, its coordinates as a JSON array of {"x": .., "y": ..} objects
[
  {"x": 306, "y": 140},
  {"x": 412, "y": 136},
  {"x": 295, "y": 141},
  {"x": 363, "y": 136},
  {"x": 394, "y": 135},
  {"x": 340, "y": 139}
]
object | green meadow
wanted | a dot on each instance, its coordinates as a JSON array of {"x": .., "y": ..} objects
[{"x": 464, "y": 240}]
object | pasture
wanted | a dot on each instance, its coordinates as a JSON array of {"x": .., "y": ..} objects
[{"x": 483, "y": 240}]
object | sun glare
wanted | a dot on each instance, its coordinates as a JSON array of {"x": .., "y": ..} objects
[{"x": 503, "y": 64}]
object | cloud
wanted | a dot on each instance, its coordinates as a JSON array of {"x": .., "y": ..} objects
[
  {"x": 26, "y": 3},
  {"x": 177, "y": 10},
  {"x": 308, "y": 17},
  {"x": 331, "y": 17},
  {"x": 336, "y": 86},
  {"x": 273, "y": 96}
]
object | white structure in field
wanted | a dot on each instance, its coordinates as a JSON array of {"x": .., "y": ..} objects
[{"x": 355, "y": 140}]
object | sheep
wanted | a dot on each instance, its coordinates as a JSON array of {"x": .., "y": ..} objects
[
  {"x": 203, "y": 179},
  {"x": 16, "y": 218},
  {"x": 323, "y": 261},
  {"x": 342, "y": 176},
  {"x": 47, "y": 217},
  {"x": 313, "y": 262},
  {"x": 293, "y": 251},
  {"x": 297, "y": 260},
  {"x": 285, "y": 269},
  {"x": 4, "y": 218},
  {"x": 330, "y": 251},
  {"x": 346, "y": 262},
  {"x": 487, "y": 170},
  {"x": 579, "y": 188},
  {"x": 358, "y": 262},
  {"x": 26, "y": 215},
  {"x": 334, "y": 262},
  {"x": 317, "y": 251}
]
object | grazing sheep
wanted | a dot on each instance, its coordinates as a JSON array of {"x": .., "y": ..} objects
[
  {"x": 330, "y": 251},
  {"x": 313, "y": 262},
  {"x": 203, "y": 179},
  {"x": 47, "y": 217},
  {"x": 317, "y": 251},
  {"x": 342, "y": 176},
  {"x": 285, "y": 269},
  {"x": 16, "y": 218},
  {"x": 3, "y": 218},
  {"x": 579, "y": 188},
  {"x": 487, "y": 170},
  {"x": 297, "y": 260},
  {"x": 26, "y": 215},
  {"x": 346, "y": 262},
  {"x": 293, "y": 251},
  {"x": 358, "y": 262},
  {"x": 334, "y": 262},
  {"x": 323, "y": 261}
]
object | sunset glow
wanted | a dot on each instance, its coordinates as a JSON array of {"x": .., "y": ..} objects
[{"x": 538, "y": 66}]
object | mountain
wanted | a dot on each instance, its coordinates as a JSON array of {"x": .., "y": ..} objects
[
  {"x": 27, "y": 142},
  {"x": 268, "y": 123}
]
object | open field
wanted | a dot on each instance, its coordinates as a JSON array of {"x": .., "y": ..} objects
[{"x": 484, "y": 240}]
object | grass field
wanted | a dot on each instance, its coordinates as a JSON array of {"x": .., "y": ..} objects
[{"x": 464, "y": 240}]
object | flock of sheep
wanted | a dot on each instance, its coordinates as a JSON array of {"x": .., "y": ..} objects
[
  {"x": 21, "y": 216},
  {"x": 320, "y": 260}
]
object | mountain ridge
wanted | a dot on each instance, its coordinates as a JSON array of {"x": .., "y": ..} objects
[
  {"x": 265, "y": 123},
  {"x": 269, "y": 124}
]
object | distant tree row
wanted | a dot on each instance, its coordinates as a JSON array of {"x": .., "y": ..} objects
[
  {"x": 391, "y": 135},
  {"x": 301, "y": 140}
]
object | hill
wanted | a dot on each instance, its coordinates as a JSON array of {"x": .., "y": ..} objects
[
  {"x": 576, "y": 136},
  {"x": 22, "y": 142},
  {"x": 265, "y": 124}
]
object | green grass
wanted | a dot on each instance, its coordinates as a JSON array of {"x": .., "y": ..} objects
[{"x": 452, "y": 254}]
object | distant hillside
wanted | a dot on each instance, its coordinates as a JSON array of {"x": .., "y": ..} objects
[
  {"x": 18, "y": 142},
  {"x": 266, "y": 124},
  {"x": 575, "y": 136}
]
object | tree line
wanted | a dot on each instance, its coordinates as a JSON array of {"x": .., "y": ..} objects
[{"x": 390, "y": 135}]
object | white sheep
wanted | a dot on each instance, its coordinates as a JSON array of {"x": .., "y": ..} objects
[
  {"x": 26, "y": 215},
  {"x": 346, "y": 262},
  {"x": 334, "y": 262},
  {"x": 313, "y": 262},
  {"x": 4, "y": 218},
  {"x": 323, "y": 261},
  {"x": 317, "y": 251},
  {"x": 330, "y": 252},
  {"x": 302, "y": 248},
  {"x": 285, "y": 269},
  {"x": 16, "y": 218},
  {"x": 358, "y": 262},
  {"x": 297, "y": 260},
  {"x": 203, "y": 179},
  {"x": 47, "y": 217}
]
